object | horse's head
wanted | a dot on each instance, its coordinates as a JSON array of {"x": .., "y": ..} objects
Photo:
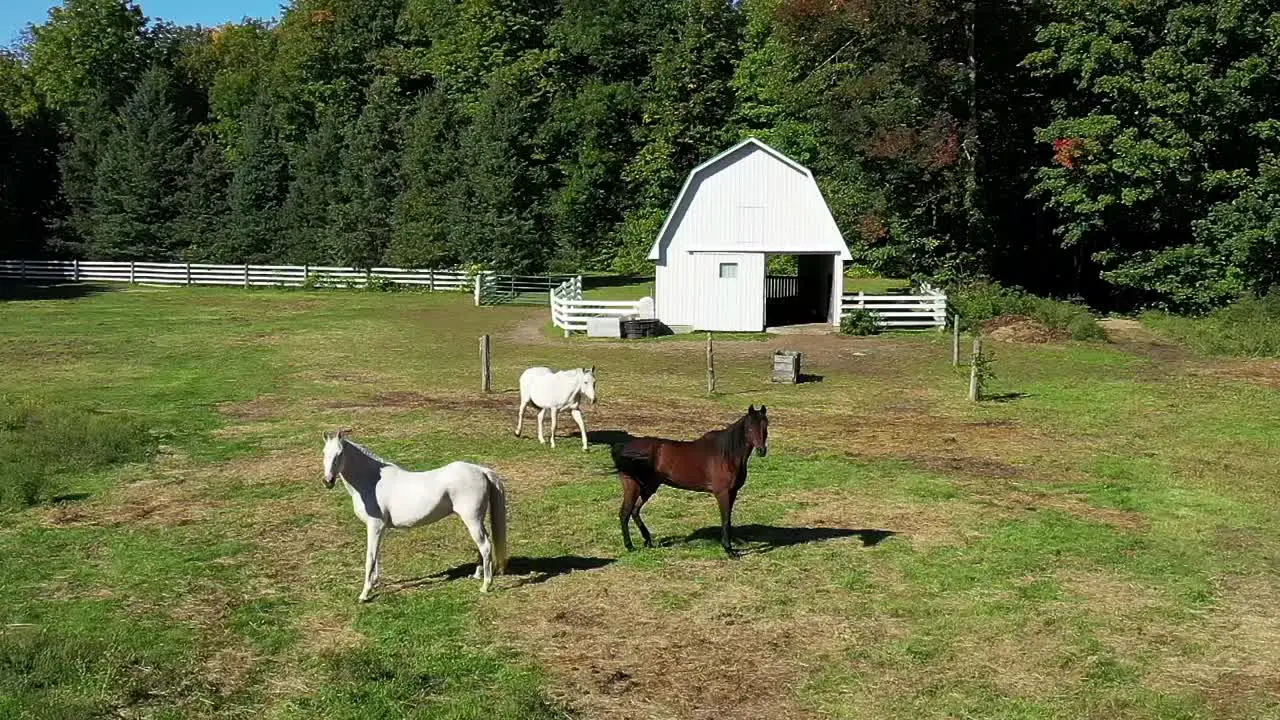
[
  {"x": 757, "y": 427},
  {"x": 333, "y": 447},
  {"x": 587, "y": 383}
]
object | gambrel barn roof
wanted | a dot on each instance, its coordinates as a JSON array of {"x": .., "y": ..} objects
[{"x": 750, "y": 198}]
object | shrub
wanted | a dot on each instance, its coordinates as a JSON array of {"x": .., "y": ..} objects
[
  {"x": 381, "y": 284},
  {"x": 979, "y": 302},
  {"x": 39, "y": 445},
  {"x": 1249, "y": 327},
  {"x": 860, "y": 322}
]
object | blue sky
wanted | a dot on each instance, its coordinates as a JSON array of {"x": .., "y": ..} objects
[{"x": 16, "y": 14}]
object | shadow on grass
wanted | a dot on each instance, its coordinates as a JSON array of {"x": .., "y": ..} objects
[
  {"x": 1006, "y": 397},
  {"x": 770, "y": 537},
  {"x": 608, "y": 437},
  {"x": 51, "y": 291},
  {"x": 529, "y": 571}
]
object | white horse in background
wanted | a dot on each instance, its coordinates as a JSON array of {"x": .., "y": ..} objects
[
  {"x": 385, "y": 495},
  {"x": 556, "y": 391}
]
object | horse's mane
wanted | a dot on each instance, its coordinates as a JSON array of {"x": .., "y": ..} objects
[
  {"x": 366, "y": 452},
  {"x": 731, "y": 440}
]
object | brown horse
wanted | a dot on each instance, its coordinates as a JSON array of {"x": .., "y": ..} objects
[{"x": 715, "y": 463}]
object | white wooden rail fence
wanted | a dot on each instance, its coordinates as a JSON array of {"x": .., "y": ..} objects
[
  {"x": 781, "y": 286},
  {"x": 925, "y": 309},
  {"x": 147, "y": 273},
  {"x": 570, "y": 312}
]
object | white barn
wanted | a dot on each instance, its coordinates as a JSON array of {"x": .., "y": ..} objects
[{"x": 734, "y": 211}]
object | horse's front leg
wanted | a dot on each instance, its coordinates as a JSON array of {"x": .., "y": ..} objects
[
  {"x": 374, "y": 529},
  {"x": 577, "y": 417},
  {"x": 725, "y": 499}
]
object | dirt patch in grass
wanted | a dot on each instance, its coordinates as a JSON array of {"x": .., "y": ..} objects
[
  {"x": 228, "y": 669},
  {"x": 1237, "y": 671},
  {"x": 921, "y": 525},
  {"x": 262, "y": 407},
  {"x": 152, "y": 503},
  {"x": 1021, "y": 329},
  {"x": 615, "y": 648}
]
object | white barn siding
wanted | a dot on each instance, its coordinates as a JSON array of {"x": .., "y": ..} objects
[
  {"x": 691, "y": 292},
  {"x": 749, "y": 200},
  {"x": 739, "y": 207}
]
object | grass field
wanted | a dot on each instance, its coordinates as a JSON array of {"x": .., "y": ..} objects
[{"x": 1101, "y": 540}]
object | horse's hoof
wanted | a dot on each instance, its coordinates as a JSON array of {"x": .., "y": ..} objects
[{"x": 364, "y": 598}]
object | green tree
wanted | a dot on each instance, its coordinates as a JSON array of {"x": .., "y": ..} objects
[
  {"x": 204, "y": 205},
  {"x": 369, "y": 182},
  {"x": 431, "y": 208},
  {"x": 135, "y": 198},
  {"x": 87, "y": 51},
  {"x": 309, "y": 208},
  {"x": 260, "y": 176},
  {"x": 1163, "y": 118}
]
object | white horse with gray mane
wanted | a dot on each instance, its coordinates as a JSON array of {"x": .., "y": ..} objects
[
  {"x": 385, "y": 495},
  {"x": 556, "y": 391}
]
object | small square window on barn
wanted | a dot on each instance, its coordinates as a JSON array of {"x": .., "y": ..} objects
[{"x": 728, "y": 271}]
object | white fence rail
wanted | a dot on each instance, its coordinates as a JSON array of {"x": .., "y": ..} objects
[
  {"x": 926, "y": 309},
  {"x": 570, "y": 312},
  {"x": 147, "y": 273},
  {"x": 781, "y": 286}
]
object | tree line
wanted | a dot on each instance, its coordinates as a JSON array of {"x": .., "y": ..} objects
[{"x": 1124, "y": 152}]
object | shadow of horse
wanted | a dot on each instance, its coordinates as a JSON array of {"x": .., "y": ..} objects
[
  {"x": 530, "y": 571},
  {"x": 51, "y": 290},
  {"x": 770, "y": 537},
  {"x": 609, "y": 437}
]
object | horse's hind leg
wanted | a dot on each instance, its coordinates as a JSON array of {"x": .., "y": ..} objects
[
  {"x": 524, "y": 403},
  {"x": 542, "y": 440},
  {"x": 475, "y": 526},
  {"x": 554, "y": 414},
  {"x": 635, "y": 515},
  {"x": 630, "y": 491}
]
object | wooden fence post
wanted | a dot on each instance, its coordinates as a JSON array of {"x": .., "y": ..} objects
[
  {"x": 955, "y": 340},
  {"x": 368, "y": 277},
  {"x": 188, "y": 273},
  {"x": 711, "y": 366},
  {"x": 486, "y": 371},
  {"x": 478, "y": 283},
  {"x": 431, "y": 280},
  {"x": 246, "y": 274},
  {"x": 306, "y": 273},
  {"x": 75, "y": 270},
  {"x": 131, "y": 272},
  {"x": 973, "y": 369}
]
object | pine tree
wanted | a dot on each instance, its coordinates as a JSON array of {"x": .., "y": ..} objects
[
  {"x": 258, "y": 182},
  {"x": 309, "y": 208},
  {"x": 202, "y": 221},
  {"x": 138, "y": 181},
  {"x": 370, "y": 179},
  {"x": 431, "y": 205}
]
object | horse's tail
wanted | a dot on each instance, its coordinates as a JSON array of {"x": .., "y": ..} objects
[{"x": 498, "y": 520}]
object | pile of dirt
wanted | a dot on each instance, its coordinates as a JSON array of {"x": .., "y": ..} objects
[{"x": 1021, "y": 329}]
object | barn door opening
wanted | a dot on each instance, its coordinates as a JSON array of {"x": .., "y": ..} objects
[{"x": 798, "y": 289}]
